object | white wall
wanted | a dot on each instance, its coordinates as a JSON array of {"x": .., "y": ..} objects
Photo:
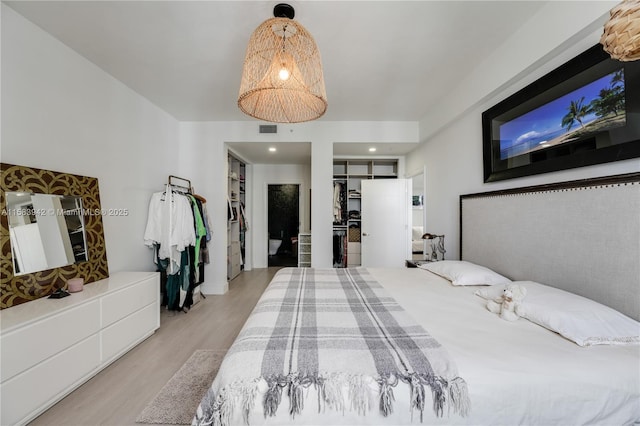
[
  {"x": 61, "y": 112},
  {"x": 452, "y": 136},
  {"x": 545, "y": 41},
  {"x": 263, "y": 175}
]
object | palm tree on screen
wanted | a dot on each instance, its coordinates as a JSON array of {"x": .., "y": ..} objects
[
  {"x": 577, "y": 111},
  {"x": 611, "y": 100}
]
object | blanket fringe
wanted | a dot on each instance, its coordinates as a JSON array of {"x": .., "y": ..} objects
[
  {"x": 227, "y": 406},
  {"x": 359, "y": 394},
  {"x": 459, "y": 397},
  {"x": 333, "y": 395},
  {"x": 248, "y": 399},
  {"x": 333, "y": 390},
  {"x": 297, "y": 384},
  {"x": 438, "y": 395},
  {"x": 417, "y": 394},
  {"x": 321, "y": 392},
  {"x": 273, "y": 396},
  {"x": 386, "y": 394}
]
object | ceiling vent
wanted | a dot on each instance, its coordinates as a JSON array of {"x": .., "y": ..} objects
[{"x": 268, "y": 128}]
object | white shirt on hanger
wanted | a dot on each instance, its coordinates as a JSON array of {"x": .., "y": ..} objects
[{"x": 171, "y": 227}]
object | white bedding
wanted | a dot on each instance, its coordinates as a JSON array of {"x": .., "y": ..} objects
[
  {"x": 516, "y": 372},
  {"x": 519, "y": 372}
]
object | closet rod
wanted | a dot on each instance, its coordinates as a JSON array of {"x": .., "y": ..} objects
[{"x": 188, "y": 188}]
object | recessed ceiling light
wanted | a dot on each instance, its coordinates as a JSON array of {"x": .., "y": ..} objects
[
  {"x": 272, "y": 149},
  {"x": 372, "y": 149}
]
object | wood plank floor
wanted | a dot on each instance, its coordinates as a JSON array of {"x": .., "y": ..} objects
[{"x": 118, "y": 394}]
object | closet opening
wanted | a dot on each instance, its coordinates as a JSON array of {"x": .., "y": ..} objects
[{"x": 283, "y": 210}]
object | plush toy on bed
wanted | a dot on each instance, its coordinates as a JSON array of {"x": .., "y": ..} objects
[{"x": 509, "y": 304}]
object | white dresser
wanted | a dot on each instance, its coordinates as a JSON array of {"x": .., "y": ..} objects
[{"x": 49, "y": 347}]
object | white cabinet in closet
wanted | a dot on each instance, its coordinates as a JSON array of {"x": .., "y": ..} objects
[
  {"x": 304, "y": 250},
  {"x": 348, "y": 175},
  {"x": 49, "y": 347}
]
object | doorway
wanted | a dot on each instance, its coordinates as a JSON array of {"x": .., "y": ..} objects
[
  {"x": 418, "y": 245},
  {"x": 283, "y": 211}
]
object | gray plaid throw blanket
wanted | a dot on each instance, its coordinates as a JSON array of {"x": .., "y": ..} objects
[{"x": 340, "y": 332}]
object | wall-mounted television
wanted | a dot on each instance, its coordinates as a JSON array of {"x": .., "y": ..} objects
[{"x": 584, "y": 112}]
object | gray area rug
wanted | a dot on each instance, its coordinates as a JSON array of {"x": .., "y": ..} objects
[{"x": 177, "y": 401}]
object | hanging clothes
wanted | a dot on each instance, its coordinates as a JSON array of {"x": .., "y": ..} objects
[
  {"x": 170, "y": 231},
  {"x": 170, "y": 225},
  {"x": 337, "y": 206},
  {"x": 244, "y": 224},
  {"x": 205, "y": 215},
  {"x": 203, "y": 256},
  {"x": 339, "y": 248},
  {"x": 175, "y": 288},
  {"x": 201, "y": 232}
]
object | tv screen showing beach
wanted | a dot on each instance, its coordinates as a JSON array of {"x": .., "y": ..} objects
[{"x": 593, "y": 108}]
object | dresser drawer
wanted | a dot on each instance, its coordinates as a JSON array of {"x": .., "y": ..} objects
[
  {"x": 42, "y": 339},
  {"x": 29, "y": 393},
  {"x": 126, "y": 333},
  {"x": 119, "y": 304}
]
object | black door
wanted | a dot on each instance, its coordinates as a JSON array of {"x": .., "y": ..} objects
[{"x": 284, "y": 222}]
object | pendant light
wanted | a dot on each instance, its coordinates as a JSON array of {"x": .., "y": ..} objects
[
  {"x": 282, "y": 79},
  {"x": 621, "y": 36}
]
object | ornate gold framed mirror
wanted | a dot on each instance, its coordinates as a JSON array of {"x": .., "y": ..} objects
[{"x": 50, "y": 231}]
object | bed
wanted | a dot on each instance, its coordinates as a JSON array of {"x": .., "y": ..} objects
[{"x": 481, "y": 369}]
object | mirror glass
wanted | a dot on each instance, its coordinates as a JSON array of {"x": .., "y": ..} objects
[
  {"x": 418, "y": 245},
  {"x": 46, "y": 231}
]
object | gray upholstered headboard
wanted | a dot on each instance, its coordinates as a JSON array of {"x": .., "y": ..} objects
[{"x": 580, "y": 236}]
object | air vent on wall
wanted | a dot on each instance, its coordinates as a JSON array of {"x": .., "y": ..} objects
[{"x": 268, "y": 128}]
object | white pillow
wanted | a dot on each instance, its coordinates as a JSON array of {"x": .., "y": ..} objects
[
  {"x": 577, "y": 318},
  {"x": 461, "y": 272}
]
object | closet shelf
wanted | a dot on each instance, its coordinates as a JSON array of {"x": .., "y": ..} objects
[
  {"x": 348, "y": 175},
  {"x": 236, "y": 223}
]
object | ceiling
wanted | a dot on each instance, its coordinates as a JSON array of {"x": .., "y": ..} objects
[
  {"x": 382, "y": 60},
  {"x": 300, "y": 152},
  {"x": 285, "y": 152}
]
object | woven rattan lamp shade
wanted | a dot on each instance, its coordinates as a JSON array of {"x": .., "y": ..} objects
[
  {"x": 621, "y": 37},
  {"x": 282, "y": 79}
]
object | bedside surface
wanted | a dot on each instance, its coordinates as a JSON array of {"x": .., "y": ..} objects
[{"x": 412, "y": 263}]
